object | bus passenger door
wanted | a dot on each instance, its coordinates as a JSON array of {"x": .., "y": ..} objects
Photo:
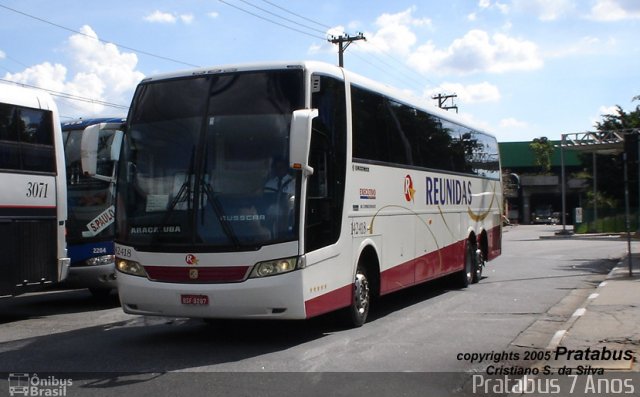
[{"x": 327, "y": 157}]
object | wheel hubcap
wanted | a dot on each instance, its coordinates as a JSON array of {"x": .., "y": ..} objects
[{"x": 361, "y": 293}]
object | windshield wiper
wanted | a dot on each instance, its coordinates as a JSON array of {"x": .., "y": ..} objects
[
  {"x": 217, "y": 208},
  {"x": 184, "y": 194},
  {"x": 215, "y": 205}
]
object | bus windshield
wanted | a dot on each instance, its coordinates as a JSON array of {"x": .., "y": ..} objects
[
  {"x": 205, "y": 162},
  {"x": 90, "y": 211}
]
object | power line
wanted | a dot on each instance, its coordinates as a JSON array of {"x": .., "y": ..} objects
[
  {"x": 70, "y": 96},
  {"x": 97, "y": 38},
  {"x": 418, "y": 79},
  {"x": 271, "y": 20},
  {"x": 403, "y": 65},
  {"x": 281, "y": 17},
  {"x": 297, "y": 15}
]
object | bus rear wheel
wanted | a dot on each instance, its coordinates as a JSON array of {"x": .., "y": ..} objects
[
  {"x": 358, "y": 311},
  {"x": 466, "y": 275},
  {"x": 478, "y": 265}
]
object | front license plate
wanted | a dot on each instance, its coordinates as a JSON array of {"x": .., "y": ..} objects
[{"x": 198, "y": 300}]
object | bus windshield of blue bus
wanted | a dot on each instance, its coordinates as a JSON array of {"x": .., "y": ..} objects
[{"x": 91, "y": 213}]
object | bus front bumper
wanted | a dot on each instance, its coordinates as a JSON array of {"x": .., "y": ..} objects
[
  {"x": 275, "y": 297},
  {"x": 98, "y": 276}
]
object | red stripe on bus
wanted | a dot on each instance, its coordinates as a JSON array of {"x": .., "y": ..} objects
[
  {"x": 494, "y": 237},
  {"x": 427, "y": 267},
  {"x": 330, "y": 301},
  {"x": 416, "y": 271},
  {"x": 28, "y": 206}
]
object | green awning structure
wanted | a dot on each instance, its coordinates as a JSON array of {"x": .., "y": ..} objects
[{"x": 520, "y": 155}]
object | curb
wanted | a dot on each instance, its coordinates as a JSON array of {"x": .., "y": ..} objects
[
  {"x": 579, "y": 312},
  {"x": 560, "y": 335}
]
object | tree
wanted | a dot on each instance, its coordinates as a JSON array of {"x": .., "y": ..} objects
[
  {"x": 542, "y": 150},
  {"x": 610, "y": 166}
]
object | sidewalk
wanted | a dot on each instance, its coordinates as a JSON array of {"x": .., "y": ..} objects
[{"x": 607, "y": 323}]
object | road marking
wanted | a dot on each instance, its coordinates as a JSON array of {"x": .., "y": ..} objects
[
  {"x": 579, "y": 312},
  {"x": 593, "y": 296},
  {"x": 602, "y": 284},
  {"x": 557, "y": 337}
]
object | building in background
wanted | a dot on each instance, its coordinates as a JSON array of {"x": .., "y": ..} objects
[{"x": 535, "y": 197}]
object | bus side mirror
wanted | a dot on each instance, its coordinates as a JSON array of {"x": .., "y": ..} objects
[
  {"x": 116, "y": 144},
  {"x": 300, "y": 139},
  {"x": 89, "y": 149}
]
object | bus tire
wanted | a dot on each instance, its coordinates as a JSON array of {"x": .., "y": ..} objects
[
  {"x": 358, "y": 311},
  {"x": 478, "y": 265},
  {"x": 465, "y": 276}
]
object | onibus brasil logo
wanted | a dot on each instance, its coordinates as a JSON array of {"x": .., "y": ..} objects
[{"x": 24, "y": 384}]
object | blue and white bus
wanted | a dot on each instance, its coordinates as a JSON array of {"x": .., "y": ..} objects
[
  {"x": 90, "y": 226},
  {"x": 33, "y": 201}
]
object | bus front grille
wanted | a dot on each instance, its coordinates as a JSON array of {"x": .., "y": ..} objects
[{"x": 201, "y": 274}]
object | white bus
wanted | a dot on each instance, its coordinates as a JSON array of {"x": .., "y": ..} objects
[
  {"x": 33, "y": 201},
  {"x": 292, "y": 190}
]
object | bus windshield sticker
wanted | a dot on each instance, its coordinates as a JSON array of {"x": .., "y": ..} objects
[
  {"x": 157, "y": 202},
  {"x": 100, "y": 222}
]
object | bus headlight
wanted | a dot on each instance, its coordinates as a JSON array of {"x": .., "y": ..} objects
[
  {"x": 271, "y": 268},
  {"x": 100, "y": 260},
  {"x": 130, "y": 267}
]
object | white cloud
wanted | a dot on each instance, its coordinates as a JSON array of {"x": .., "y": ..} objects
[
  {"x": 98, "y": 71},
  {"x": 44, "y": 75},
  {"x": 166, "y": 17},
  {"x": 603, "y": 110},
  {"x": 2, "y": 55},
  {"x": 186, "y": 18},
  {"x": 478, "y": 52},
  {"x": 160, "y": 17},
  {"x": 336, "y": 31},
  {"x": 615, "y": 10},
  {"x": 325, "y": 46},
  {"x": 608, "y": 110},
  {"x": 213, "y": 14},
  {"x": 472, "y": 93},
  {"x": 402, "y": 18},
  {"x": 545, "y": 10},
  {"x": 587, "y": 45},
  {"x": 395, "y": 34},
  {"x": 486, "y": 4},
  {"x": 502, "y": 7}
]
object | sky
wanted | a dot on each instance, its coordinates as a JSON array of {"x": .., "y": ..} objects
[{"x": 520, "y": 69}]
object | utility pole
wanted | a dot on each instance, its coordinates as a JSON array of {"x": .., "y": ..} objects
[
  {"x": 341, "y": 40},
  {"x": 443, "y": 98}
]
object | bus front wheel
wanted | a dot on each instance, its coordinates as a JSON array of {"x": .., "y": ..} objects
[{"x": 359, "y": 309}]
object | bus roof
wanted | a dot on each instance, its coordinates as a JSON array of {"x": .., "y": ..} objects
[
  {"x": 327, "y": 69},
  {"x": 25, "y": 96},
  {"x": 81, "y": 124}
]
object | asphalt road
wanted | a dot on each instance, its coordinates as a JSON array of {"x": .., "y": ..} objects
[{"x": 415, "y": 339}]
